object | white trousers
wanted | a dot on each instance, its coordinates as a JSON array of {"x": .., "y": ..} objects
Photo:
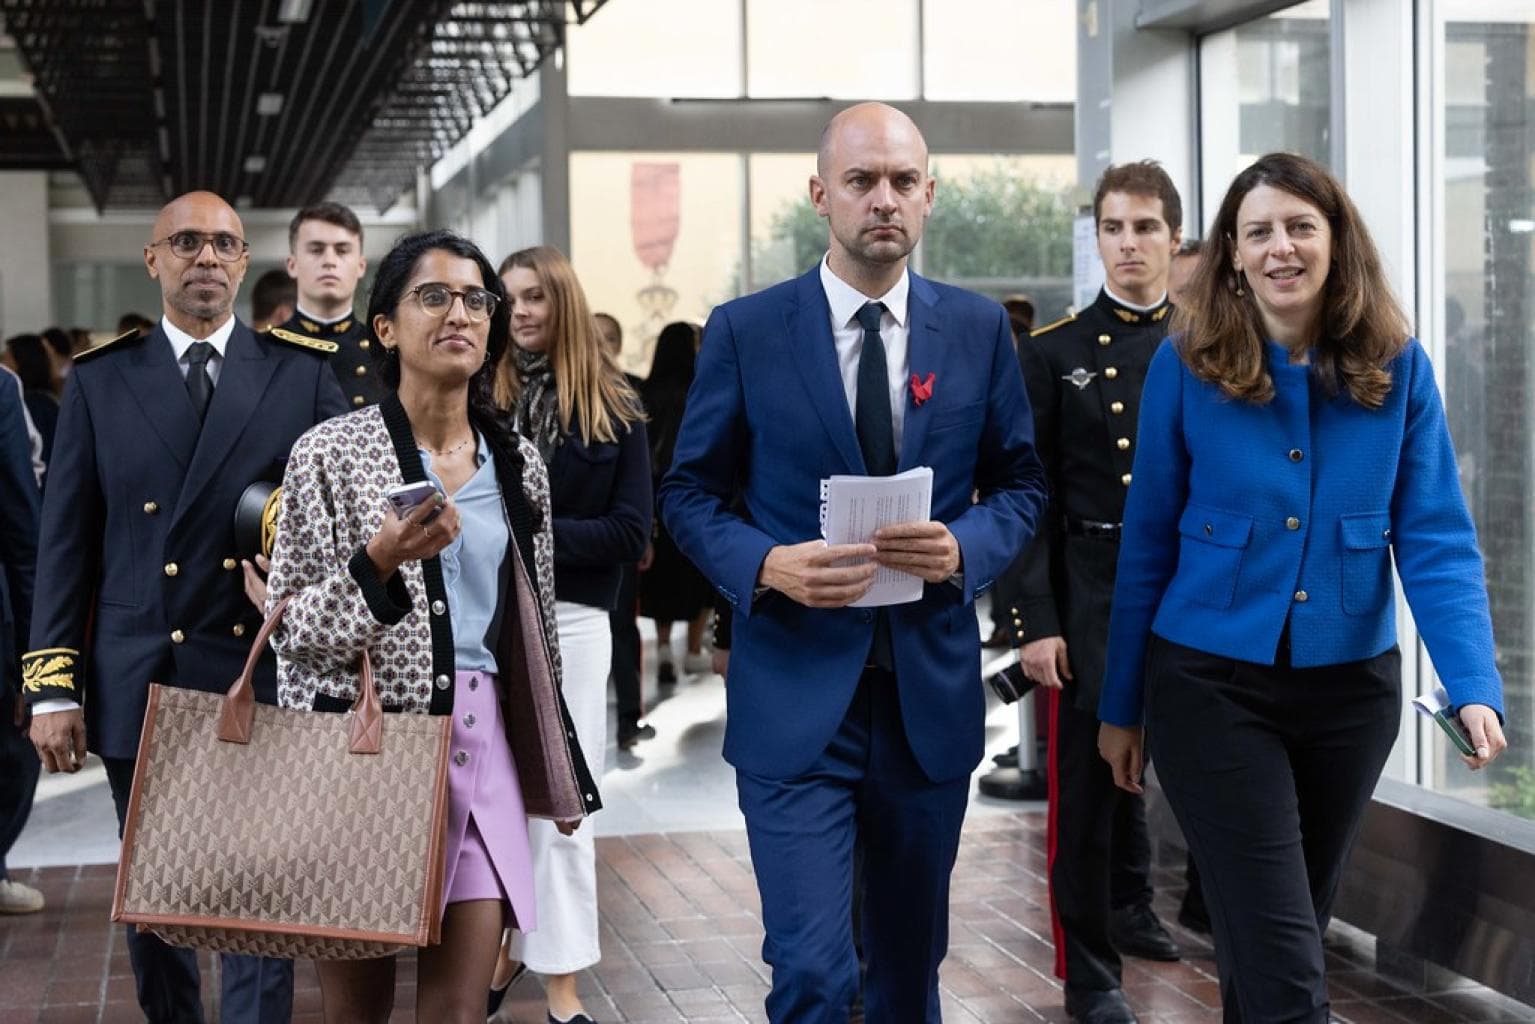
[{"x": 565, "y": 867}]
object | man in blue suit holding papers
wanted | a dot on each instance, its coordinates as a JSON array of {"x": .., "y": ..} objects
[{"x": 855, "y": 723}]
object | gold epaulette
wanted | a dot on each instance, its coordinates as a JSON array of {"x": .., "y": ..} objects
[
  {"x": 50, "y": 672},
  {"x": 1036, "y": 332},
  {"x": 96, "y": 350},
  {"x": 300, "y": 341}
]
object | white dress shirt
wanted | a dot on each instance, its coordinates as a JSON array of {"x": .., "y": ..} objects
[
  {"x": 181, "y": 341},
  {"x": 894, "y": 330}
]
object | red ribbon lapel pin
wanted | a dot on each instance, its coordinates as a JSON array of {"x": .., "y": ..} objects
[{"x": 921, "y": 390}]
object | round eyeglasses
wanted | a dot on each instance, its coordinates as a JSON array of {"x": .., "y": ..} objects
[
  {"x": 437, "y": 299},
  {"x": 188, "y": 244}
]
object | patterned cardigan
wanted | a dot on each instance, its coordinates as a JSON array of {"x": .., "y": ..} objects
[{"x": 333, "y": 501}]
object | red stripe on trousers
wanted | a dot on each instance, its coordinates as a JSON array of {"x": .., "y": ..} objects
[{"x": 1052, "y": 830}]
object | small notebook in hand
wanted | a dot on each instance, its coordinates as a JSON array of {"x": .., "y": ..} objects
[{"x": 1436, "y": 705}]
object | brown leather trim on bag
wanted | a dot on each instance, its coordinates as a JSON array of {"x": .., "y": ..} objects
[
  {"x": 437, "y": 855},
  {"x": 131, "y": 816},
  {"x": 150, "y": 921}
]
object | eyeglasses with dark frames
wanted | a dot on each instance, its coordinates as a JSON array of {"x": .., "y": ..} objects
[
  {"x": 187, "y": 245},
  {"x": 436, "y": 299}
]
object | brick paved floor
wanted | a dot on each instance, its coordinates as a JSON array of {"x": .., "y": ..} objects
[{"x": 681, "y": 941}]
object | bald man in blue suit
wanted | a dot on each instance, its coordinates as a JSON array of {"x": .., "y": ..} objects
[{"x": 855, "y": 723}]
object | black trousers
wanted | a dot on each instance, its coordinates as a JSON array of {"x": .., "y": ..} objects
[
  {"x": 253, "y": 989},
  {"x": 1099, "y": 851},
  {"x": 623, "y": 620},
  {"x": 1268, "y": 770},
  {"x": 19, "y": 768}
]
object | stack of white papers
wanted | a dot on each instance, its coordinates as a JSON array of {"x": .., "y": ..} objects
[{"x": 853, "y": 507}]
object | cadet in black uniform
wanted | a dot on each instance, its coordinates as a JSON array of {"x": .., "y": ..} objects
[
  {"x": 325, "y": 260},
  {"x": 1084, "y": 376},
  {"x": 158, "y": 436}
]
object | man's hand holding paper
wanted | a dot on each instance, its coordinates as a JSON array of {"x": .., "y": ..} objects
[
  {"x": 926, "y": 549},
  {"x": 818, "y": 574}
]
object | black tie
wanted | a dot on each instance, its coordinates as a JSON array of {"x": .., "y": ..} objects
[
  {"x": 199, "y": 381},
  {"x": 876, "y": 436},
  {"x": 871, "y": 409}
]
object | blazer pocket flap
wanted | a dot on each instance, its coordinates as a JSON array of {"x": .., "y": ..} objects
[
  {"x": 1223, "y": 529},
  {"x": 1365, "y": 530},
  {"x": 968, "y": 413}
]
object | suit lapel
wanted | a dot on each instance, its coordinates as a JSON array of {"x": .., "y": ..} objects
[
  {"x": 155, "y": 382},
  {"x": 814, "y": 353},
  {"x": 924, "y": 355},
  {"x": 242, "y": 381}
]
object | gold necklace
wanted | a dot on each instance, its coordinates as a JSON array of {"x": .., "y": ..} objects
[{"x": 444, "y": 452}]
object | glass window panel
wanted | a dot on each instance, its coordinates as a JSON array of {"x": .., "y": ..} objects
[
  {"x": 787, "y": 236},
  {"x": 656, "y": 237},
  {"x": 1487, "y": 171},
  {"x": 851, "y": 49},
  {"x": 1026, "y": 51},
  {"x": 1282, "y": 67},
  {"x": 657, "y": 48}
]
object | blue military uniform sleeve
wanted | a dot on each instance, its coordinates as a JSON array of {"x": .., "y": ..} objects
[{"x": 18, "y": 531}]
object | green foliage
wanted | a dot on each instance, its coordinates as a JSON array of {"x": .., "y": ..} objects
[
  {"x": 992, "y": 225},
  {"x": 1514, "y": 792}
]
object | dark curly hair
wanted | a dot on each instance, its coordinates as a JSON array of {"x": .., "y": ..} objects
[{"x": 394, "y": 272}]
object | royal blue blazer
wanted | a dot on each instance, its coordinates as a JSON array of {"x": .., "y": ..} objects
[
  {"x": 1240, "y": 516},
  {"x": 767, "y": 419}
]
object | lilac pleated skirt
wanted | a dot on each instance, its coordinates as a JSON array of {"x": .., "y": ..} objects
[{"x": 487, "y": 844}]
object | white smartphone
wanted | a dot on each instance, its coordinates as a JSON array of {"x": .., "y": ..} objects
[{"x": 406, "y": 498}]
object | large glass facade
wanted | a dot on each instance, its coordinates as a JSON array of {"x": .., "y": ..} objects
[
  {"x": 1267, "y": 88},
  {"x": 1484, "y": 120}
]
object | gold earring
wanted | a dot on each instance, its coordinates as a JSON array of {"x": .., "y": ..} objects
[{"x": 1238, "y": 281}]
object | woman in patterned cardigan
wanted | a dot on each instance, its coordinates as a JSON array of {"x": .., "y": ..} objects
[{"x": 453, "y": 604}]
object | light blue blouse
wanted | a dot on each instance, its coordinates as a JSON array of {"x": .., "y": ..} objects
[{"x": 474, "y": 565}]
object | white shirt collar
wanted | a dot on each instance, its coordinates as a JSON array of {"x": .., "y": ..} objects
[
  {"x": 846, "y": 301},
  {"x": 1131, "y": 305},
  {"x": 181, "y": 340}
]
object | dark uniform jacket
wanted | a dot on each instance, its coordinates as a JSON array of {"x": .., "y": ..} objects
[
  {"x": 18, "y": 537},
  {"x": 138, "y": 546},
  {"x": 1084, "y": 376},
  {"x": 352, "y": 360}
]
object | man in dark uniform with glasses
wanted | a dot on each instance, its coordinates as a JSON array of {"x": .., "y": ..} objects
[{"x": 158, "y": 435}]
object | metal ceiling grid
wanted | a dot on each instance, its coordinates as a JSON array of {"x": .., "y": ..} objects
[{"x": 156, "y": 97}]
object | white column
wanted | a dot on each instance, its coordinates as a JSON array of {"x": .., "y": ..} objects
[{"x": 26, "y": 264}]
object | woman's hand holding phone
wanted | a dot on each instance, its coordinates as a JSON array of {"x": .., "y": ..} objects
[{"x": 429, "y": 527}]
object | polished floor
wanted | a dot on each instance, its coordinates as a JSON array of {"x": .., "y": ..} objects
[{"x": 680, "y": 916}]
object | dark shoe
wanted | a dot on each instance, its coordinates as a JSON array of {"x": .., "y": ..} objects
[
  {"x": 1192, "y": 913},
  {"x": 497, "y": 995},
  {"x": 630, "y": 733},
  {"x": 1099, "y": 1006},
  {"x": 1013, "y": 784},
  {"x": 1006, "y": 759},
  {"x": 666, "y": 674},
  {"x": 1136, "y": 931}
]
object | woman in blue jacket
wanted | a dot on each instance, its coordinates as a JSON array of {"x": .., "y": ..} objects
[{"x": 1291, "y": 441}]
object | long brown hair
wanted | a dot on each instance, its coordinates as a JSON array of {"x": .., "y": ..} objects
[
  {"x": 592, "y": 391},
  {"x": 1362, "y": 329}
]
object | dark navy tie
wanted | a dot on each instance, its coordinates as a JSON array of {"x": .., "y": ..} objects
[
  {"x": 871, "y": 409},
  {"x": 876, "y": 436},
  {"x": 199, "y": 381}
]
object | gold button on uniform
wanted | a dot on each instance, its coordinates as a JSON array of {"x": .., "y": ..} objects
[
  {"x": 177, "y": 636},
  {"x": 361, "y": 371},
  {"x": 1125, "y": 479},
  {"x": 363, "y": 344},
  {"x": 239, "y": 629},
  {"x": 1111, "y": 372},
  {"x": 359, "y": 401},
  {"x": 1122, "y": 444},
  {"x": 150, "y": 508},
  {"x": 171, "y": 568},
  {"x": 1292, "y": 523},
  {"x": 1302, "y": 596},
  {"x": 1104, "y": 339},
  {"x": 1116, "y": 408},
  {"x": 230, "y": 563}
]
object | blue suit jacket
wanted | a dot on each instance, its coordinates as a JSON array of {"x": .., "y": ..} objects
[
  {"x": 18, "y": 536},
  {"x": 136, "y": 488},
  {"x": 767, "y": 418},
  {"x": 1237, "y": 510}
]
